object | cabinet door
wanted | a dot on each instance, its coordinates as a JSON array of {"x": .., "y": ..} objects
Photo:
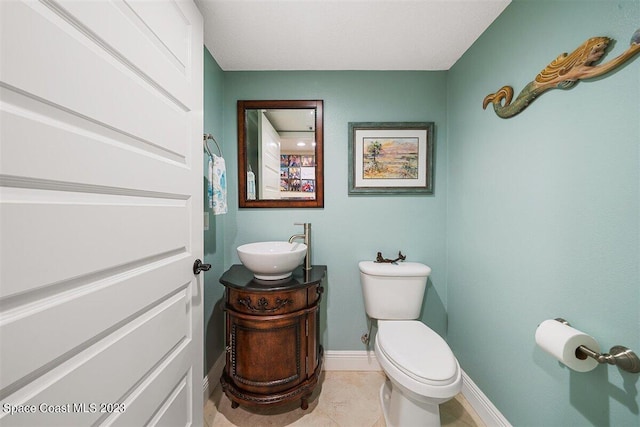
[{"x": 268, "y": 354}]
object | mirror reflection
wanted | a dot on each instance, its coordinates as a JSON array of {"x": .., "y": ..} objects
[{"x": 280, "y": 153}]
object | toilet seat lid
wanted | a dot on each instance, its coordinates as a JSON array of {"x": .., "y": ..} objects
[{"x": 417, "y": 351}]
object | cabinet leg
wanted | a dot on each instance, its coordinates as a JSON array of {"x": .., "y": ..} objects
[
  {"x": 304, "y": 403},
  {"x": 234, "y": 404}
]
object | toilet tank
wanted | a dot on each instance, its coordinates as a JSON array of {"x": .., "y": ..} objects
[{"x": 393, "y": 291}]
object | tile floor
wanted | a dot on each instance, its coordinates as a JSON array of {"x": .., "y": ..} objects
[{"x": 344, "y": 399}]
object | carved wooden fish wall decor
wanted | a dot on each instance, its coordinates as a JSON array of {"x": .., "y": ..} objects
[{"x": 562, "y": 73}]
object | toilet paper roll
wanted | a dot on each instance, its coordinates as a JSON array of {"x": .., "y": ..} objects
[{"x": 561, "y": 341}]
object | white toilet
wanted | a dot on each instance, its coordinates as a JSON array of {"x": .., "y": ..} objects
[{"x": 422, "y": 370}]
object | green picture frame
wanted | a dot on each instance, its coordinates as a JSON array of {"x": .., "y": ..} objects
[{"x": 391, "y": 158}]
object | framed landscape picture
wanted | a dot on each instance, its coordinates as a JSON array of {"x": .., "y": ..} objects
[{"x": 391, "y": 158}]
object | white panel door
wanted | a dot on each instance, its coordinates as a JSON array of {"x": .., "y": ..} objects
[
  {"x": 100, "y": 213},
  {"x": 269, "y": 154}
]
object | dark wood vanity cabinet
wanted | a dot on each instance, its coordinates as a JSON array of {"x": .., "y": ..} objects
[{"x": 273, "y": 350}]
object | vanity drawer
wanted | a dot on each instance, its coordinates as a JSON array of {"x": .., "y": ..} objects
[{"x": 267, "y": 303}]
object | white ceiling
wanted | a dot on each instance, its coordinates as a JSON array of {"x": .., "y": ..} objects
[{"x": 265, "y": 35}]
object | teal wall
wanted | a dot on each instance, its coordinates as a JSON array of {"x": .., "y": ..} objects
[
  {"x": 543, "y": 216},
  {"x": 350, "y": 229},
  {"x": 214, "y": 237},
  {"x": 533, "y": 217}
]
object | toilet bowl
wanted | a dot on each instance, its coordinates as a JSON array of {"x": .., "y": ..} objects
[{"x": 421, "y": 369}]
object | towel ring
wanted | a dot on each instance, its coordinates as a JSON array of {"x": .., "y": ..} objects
[{"x": 207, "y": 136}]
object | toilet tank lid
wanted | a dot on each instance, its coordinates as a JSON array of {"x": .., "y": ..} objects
[{"x": 400, "y": 269}]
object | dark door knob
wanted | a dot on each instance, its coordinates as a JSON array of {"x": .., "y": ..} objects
[{"x": 198, "y": 266}]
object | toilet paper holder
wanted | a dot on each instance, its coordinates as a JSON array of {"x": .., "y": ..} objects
[{"x": 618, "y": 355}]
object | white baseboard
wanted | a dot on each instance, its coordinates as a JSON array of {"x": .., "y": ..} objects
[
  {"x": 350, "y": 361},
  {"x": 366, "y": 361},
  {"x": 481, "y": 403},
  {"x": 211, "y": 380}
]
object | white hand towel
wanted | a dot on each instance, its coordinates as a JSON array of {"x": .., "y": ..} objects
[
  {"x": 210, "y": 182},
  {"x": 218, "y": 185},
  {"x": 251, "y": 185}
]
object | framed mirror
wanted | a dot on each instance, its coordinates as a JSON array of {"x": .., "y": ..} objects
[{"x": 280, "y": 154}]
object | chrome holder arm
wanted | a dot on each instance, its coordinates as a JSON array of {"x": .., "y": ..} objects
[{"x": 618, "y": 355}]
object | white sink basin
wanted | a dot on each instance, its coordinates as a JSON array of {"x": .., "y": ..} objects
[{"x": 272, "y": 260}]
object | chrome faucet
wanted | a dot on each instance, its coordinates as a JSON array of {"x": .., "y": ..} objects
[{"x": 307, "y": 241}]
